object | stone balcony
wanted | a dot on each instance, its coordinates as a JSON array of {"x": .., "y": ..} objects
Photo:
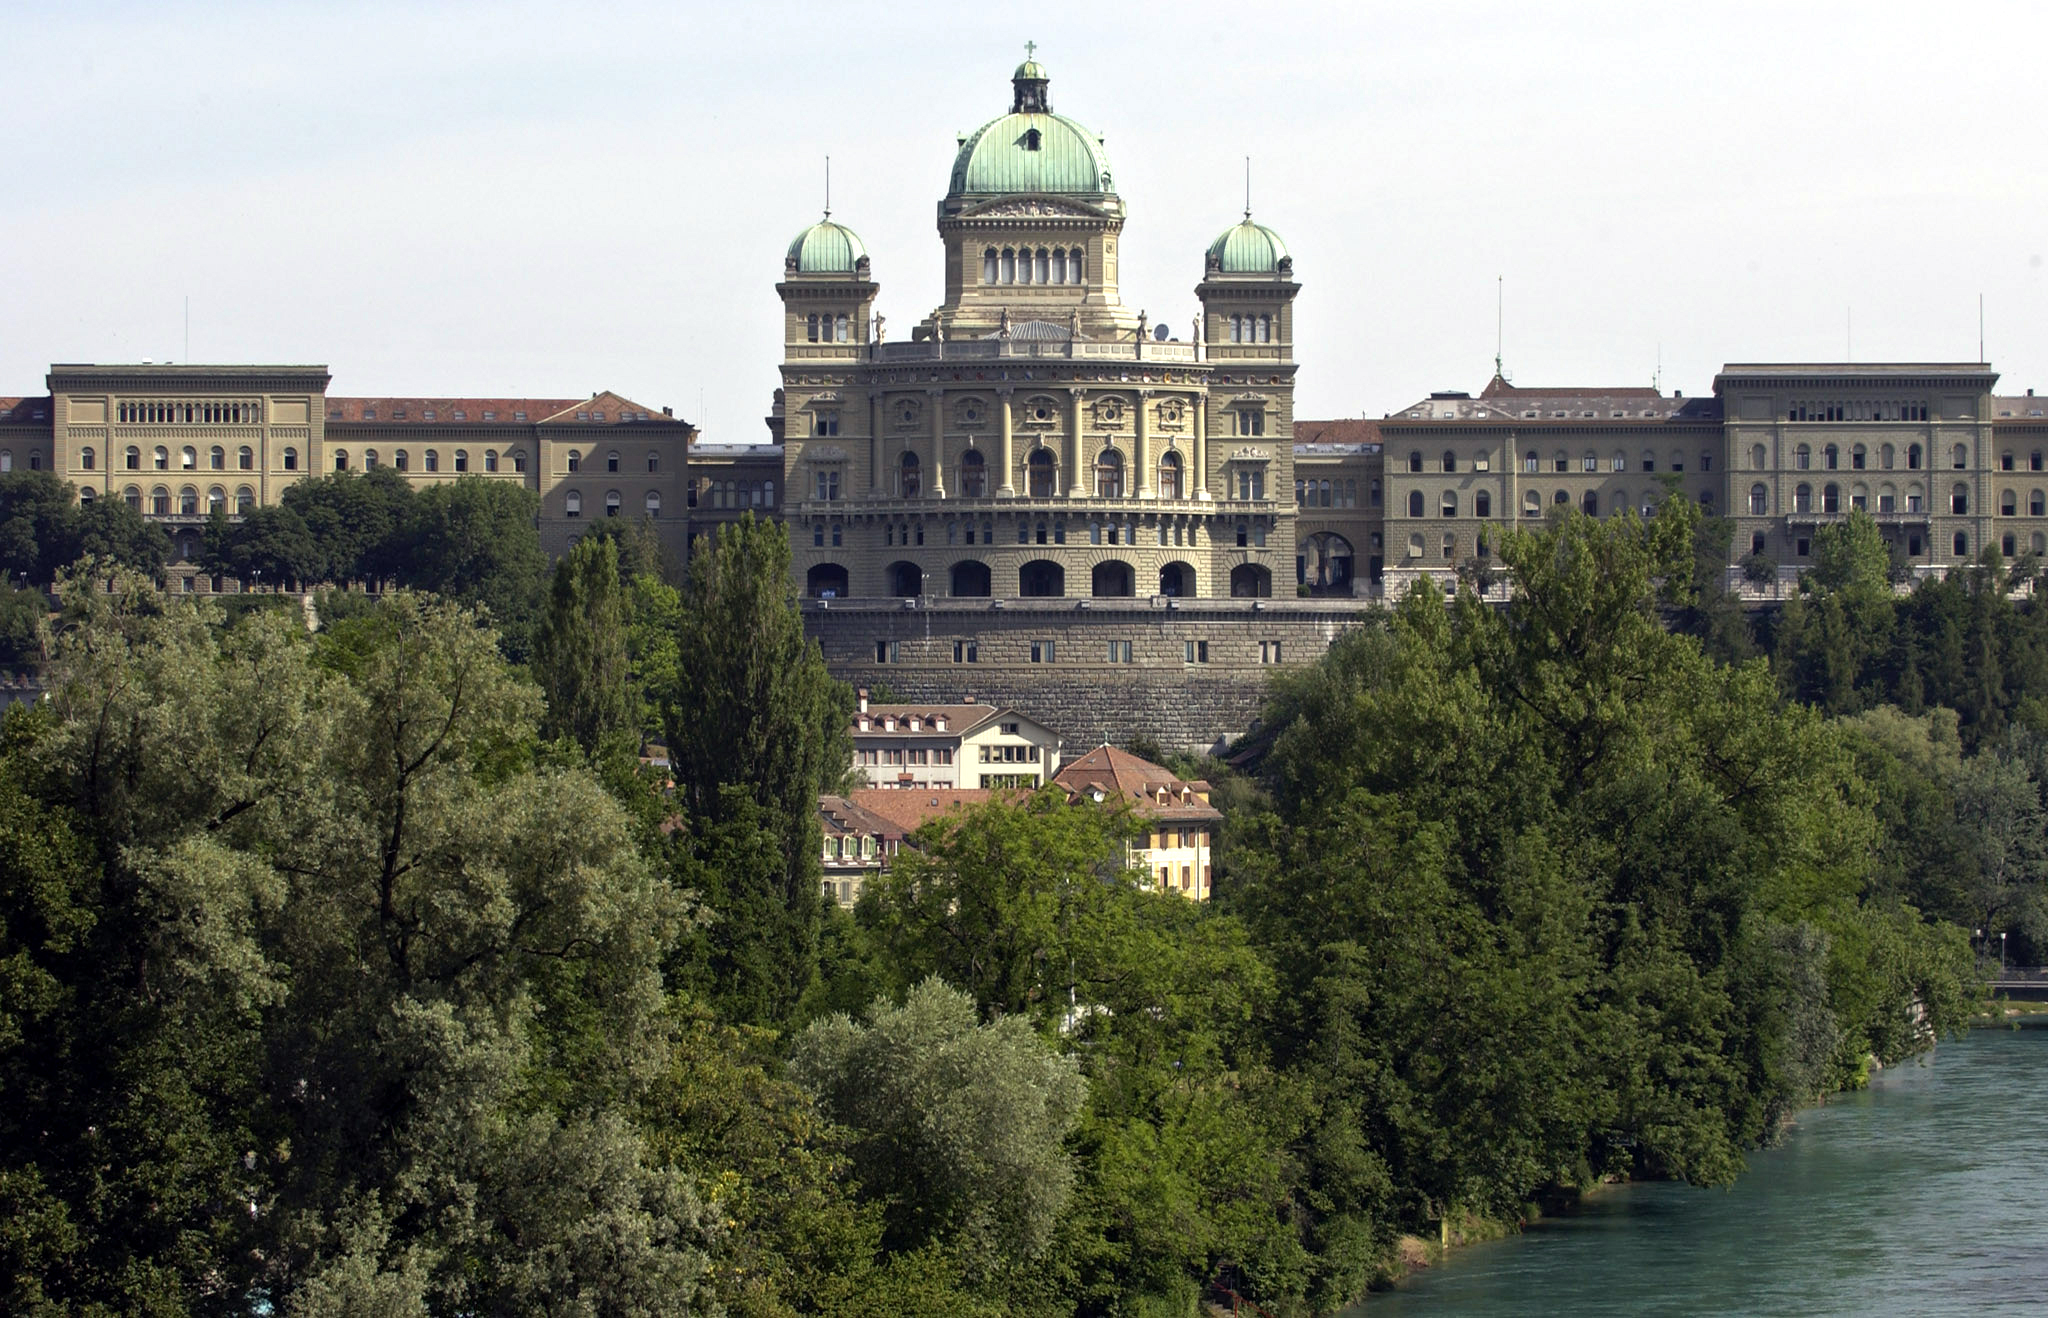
[{"x": 988, "y": 350}]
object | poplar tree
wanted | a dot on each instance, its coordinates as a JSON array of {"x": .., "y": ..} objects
[{"x": 579, "y": 652}]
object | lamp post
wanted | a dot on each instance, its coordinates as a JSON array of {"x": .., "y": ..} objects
[{"x": 2001, "y": 952}]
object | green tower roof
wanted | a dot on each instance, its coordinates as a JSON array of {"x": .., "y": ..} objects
[
  {"x": 1031, "y": 149},
  {"x": 1246, "y": 248},
  {"x": 826, "y": 248}
]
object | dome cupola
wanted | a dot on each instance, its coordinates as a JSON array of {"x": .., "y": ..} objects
[
  {"x": 1031, "y": 149},
  {"x": 1249, "y": 248},
  {"x": 826, "y": 248}
]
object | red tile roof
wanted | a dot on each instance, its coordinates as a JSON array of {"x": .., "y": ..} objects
[
  {"x": 909, "y": 808},
  {"x": 606, "y": 408},
  {"x": 1346, "y": 431},
  {"x": 1137, "y": 783}
]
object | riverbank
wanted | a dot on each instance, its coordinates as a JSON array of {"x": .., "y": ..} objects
[{"x": 1903, "y": 1198}]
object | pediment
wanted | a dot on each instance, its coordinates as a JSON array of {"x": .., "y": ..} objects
[{"x": 1032, "y": 208}]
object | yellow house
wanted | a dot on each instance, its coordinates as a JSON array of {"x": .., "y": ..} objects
[{"x": 1180, "y": 824}]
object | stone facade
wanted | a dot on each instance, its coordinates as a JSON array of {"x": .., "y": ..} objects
[{"x": 177, "y": 441}]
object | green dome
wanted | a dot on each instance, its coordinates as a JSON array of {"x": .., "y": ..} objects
[
  {"x": 1030, "y": 149},
  {"x": 826, "y": 248},
  {"x": 1246, "y": 248},
  {"x": 1031, "y": 153}
]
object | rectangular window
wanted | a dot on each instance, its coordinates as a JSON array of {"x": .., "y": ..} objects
[
  {"x": 1042, "y": 652},
  {"x": 943, "y": 755},
  {"x": 966, "y": 652},
  {"x": 887, "y": 652},
  {"x": 1119, "y": 652},
  {"x": 1195, "y": 652},
  {"x": 1269, "y": 652}
]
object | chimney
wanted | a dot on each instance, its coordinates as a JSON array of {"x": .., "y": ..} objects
[
  {"x": 967, "y": 699},
  {"x": 863, "y": 694}
]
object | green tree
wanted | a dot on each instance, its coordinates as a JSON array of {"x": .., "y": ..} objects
[
  {"x": 358, "y": 521},
  {"x": 756, "y": 729},
  {"x": 579, "y": 654},
  {"x": 959, "y": 1125},
  {"x": 475, "y": 540}
]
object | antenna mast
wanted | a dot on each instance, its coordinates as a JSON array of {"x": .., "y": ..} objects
[
  {"x": 1247, "y": 187},
  {"x": 828, "y": 187},
  {"x": 1499, "y": 325}
]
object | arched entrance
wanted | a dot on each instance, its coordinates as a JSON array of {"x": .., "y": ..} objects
[
  {"x": 1041, "y": 577},
  {"x": 826, "y": 581},
  {"x": 1114, "y": 579},
  {"x": 1177, "y": 579},
  {"x": 1326, "y": 564},
  {"x": 971, "y": 577},
  {"x": 1250, "y": 581},
  {"x": 904, "y": 579}
]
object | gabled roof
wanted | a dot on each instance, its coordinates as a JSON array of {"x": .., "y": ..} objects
[
  {"x": 960, "y": 719},
  {"x": 841, "y": 816},
  {"x": 1138, "y": 783},
  {"x": 413, "y": 411},
  {"x": 1347, "y": 432},
  {"x": 909, "y": 809},
  {"x": 606, "y": 408}
]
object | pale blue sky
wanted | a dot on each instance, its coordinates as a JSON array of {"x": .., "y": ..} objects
[{"x": 547, "y": 200}]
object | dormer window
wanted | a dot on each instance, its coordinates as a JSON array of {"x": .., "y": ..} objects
[
  {"x": 939, "y": 724},
  {"x": 889, "y": 724},
  {"x": 863, "y": 725},
  {"x": 916, "y": 724},
  {"x": 1031, "y": 140}
]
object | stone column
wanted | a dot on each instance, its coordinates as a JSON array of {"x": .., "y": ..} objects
[
  {"x": 1201, "y": 402},
  {"x": 937, "y": 399},
  {"x": 1075, "y": 488},
  {"x": 875, "y": 445},
  {"x": 1008, "y": 488},
  {"x": 1141, "y": 481}
]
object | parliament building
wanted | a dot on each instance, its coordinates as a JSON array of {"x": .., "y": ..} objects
[{"x": 1034, "y": 497}]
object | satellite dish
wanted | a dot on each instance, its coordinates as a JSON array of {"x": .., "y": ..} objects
[{"x": 1161, "y": 332}]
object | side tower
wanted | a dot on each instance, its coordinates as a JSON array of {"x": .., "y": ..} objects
[
  {"x": 1247, "y": 294},
  {"x": 821, "y": 413}
]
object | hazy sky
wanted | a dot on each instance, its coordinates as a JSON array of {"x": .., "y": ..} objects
[{"x": 547, "y": 200}]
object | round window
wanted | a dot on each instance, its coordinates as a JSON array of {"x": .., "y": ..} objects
[{"x": 1043, "y": 414}]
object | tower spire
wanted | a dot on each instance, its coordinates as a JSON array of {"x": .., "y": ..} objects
[
  {"x": 1247, "y": 187},
  {"x": 828, "y": 187}
]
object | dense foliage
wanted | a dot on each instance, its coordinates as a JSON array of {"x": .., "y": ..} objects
[{"x": 369, "y": 972}]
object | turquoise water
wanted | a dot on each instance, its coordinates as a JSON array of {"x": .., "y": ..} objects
[{"x": 1925, "y": 1195}]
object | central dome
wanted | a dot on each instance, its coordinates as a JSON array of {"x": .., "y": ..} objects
[{"x": 1031, "y": 149}]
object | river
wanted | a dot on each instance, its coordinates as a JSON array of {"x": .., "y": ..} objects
[{"x": 1924, "y": 1195}]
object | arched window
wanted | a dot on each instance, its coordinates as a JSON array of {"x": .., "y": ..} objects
[
  {"x": 1529, "y": 460},
  {"x": 1962, "y": 544},
  {"x": 1415, "y": 460},
  {"x": 1589, "y": 503},
  {"x": 1859, "y": 457},
  {"x": 216, "y": 500},
  {"x": 341, "y": 459},
  {"x": 132, "y": 497},
  {"x": 1802, "y": 457},
  {"x": 1959, "y": 456},
  {"x": 2037, "y": 504},
  {"x": 188, "y": 502},
  {"x": 188, "y": 458},
  {"x": 1887, "y": 499},
  {"x": 462, "y": 459},
  {"x": 133, "y": 458},
  {"x": 160, "y": 501},
  {"x": 433, "y": 460},
  {"x": 572, "y": 504},
  {"x": 908, "y": 474},
  {"x": 162, "y": 458},
  {"x": 1075, "y": 261},
  {"x": 1802, "y": 499},
  {"x": 1830, "y": 457},
  {"x": 369, "y": 459},
  {"x": 575, "y": 460},
  {"x": 654, "y": 503},
  {"x": 1042, "y": 475},
  {"x": 1912, "y": 457},
  {"x": 1884, "y": 456},
  {"x": 1756, "y": 457},
  {"x": 85, "y": 458},
  {"x": 1831, "y": 498},
  {"x": 519, "y": 459},
  {"x": 245, "y": 499},
  {"x": 973, "y": 475},
  {"x": 1559, "y": 462},
  {"x": 245, "y": 459},
  {"x": 490, "y": 459},
  {"x": 1959, "y": 500},
  {"x": 1024, "y": 265},
  {"x": 1009, "y": 265},
  {"x": 291, "y": 459},
  {"x": 1619, "y": 462},
  {"x": 1450, "y": 460},
  {"x": 2008, "y": 503},
  {"x": 653, "y": 460},
  {"x": 1482, "y": 504},
  {"x": 1859, "y": 497},
  {"x": 989, "y": 265},
  {"x": 1415, "y": 545},
  {"x": 1169, "y": 475},
  {"x": 1649, "y": 460},
  {"x": 1450, "y": 503},
  {"x": 1588, "y": 461},
  {"x": 217, "y": 458},
  {"x": 1059, "y": 265},
  {"x": 611, "y": 460},
  {"x": 1532, "y": 504},
  {"x": 1109, "y": 475},
  {"x": 611, "y": 503},
  {"x": 1044, "y": 266},
  {"x": 1415, "y": 503}
]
